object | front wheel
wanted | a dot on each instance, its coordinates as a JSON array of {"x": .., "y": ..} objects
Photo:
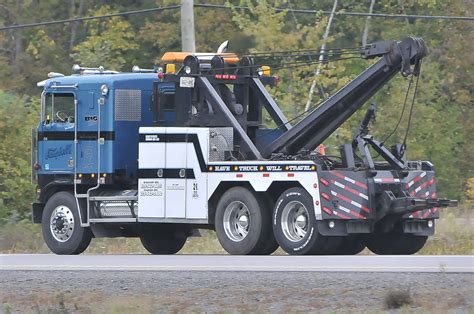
[{"x": 61, "y": 225}]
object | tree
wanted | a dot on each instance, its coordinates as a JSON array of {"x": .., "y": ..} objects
[
  {"x": 17, "y": 116},
  {"x": 276, "y": 31},
  {"x": 111, "y": 42}
]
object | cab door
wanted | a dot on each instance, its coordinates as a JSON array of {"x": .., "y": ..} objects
[
  {"x": 56, "y": 133},
  {"x": 88, "y": 126}
]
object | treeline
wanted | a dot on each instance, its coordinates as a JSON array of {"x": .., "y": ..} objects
[{"x": 441, "y": 129}]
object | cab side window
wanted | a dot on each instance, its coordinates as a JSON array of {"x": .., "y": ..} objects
[{"x": 58, "y": 108}]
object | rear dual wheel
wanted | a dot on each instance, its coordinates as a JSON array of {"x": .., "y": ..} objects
[
  {"x": 351, "y": 244},
  {"x": 395, "y": 242},
  {"x": 295, "y": 227},
  {"x": 243, "y": 223}
]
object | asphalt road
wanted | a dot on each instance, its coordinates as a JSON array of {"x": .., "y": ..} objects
[{"x": 362, "y": 263}]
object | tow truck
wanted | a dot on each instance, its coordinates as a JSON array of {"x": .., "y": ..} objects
[{"x": 161, "y": 153}]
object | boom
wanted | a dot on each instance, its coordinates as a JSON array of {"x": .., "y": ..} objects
[{"x": 332, "y": 113}]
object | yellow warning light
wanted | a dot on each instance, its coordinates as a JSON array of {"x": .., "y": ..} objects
[
  {"x": 286, "y": 167},
  {"x": 93, "y": 175},
  {"x": 236, "y": 168},
  {"x": 80, "y": 175},
  {"x": 170, "y": 68},
  {"x": 313, "y": 167},
  {"x": 261, "y": 168},
  {"x": 104, "y": 175},
  {"x": 266, "y": 70},
  {"x": 178, "y": 57},
  {"x": 211, "y": 168}
]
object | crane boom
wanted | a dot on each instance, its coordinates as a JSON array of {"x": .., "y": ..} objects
[{"x": 332, "y": 113}]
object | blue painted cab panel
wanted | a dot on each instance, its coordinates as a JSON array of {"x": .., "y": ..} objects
[{"x": 119, "y": 151}]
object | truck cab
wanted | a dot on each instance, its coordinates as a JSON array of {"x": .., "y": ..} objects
[{"x": 87, "y": 121}]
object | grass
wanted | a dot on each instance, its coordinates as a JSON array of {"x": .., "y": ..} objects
[{"x": 454, "y": 236}]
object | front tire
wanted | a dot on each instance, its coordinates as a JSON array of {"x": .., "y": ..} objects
[
  {"x": 294, "y": 224},
  {"x": 162, "y": 243},
  {"x": 61, "y": 226},
  {"x": 243, "y": 223}
]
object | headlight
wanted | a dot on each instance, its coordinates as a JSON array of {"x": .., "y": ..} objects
[{"x": 104, "y": 89}]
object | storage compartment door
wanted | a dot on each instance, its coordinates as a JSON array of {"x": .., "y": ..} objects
[
  {"x": 151, "y": 182},
  {"x": 175, "y": 174}
]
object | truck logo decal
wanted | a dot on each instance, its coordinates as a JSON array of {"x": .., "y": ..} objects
[
  {"x": 221, "y": 168},
  {"x": 59, "y": 151},
  {"x": 90, "y": 118}
]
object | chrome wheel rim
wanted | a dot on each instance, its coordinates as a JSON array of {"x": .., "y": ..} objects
[
  {"x": 236, "y": 221},
  {"x": 62, "y": 223},
  {"x": 294, "y": 221}
]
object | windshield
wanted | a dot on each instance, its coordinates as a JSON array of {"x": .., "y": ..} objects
[{"x": 58, "y": 108}]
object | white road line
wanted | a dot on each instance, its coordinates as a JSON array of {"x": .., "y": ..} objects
[{"x": 362, "y": 263}]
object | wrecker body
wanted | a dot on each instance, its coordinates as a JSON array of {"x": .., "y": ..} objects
[{"x": 160, "y": 154}]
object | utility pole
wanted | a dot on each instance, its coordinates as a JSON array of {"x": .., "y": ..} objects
[
  {"x": 188, "y": 42},
  {"x": 365, "y": 35},
  {"x": 321, "y": 57}
]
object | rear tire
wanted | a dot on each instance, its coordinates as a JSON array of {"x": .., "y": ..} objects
[
  {"x": 243, "y": 223},
  {"x": 61, "y": 226},
  {"x": 395, "y": 242},
  {"x": 331, "y": 247},
  {"x": 270, "y": 247},
  {"x": 294, "y": 224},
  {"x": 351, "y": 244},
  {"x": 162, "y": 242}
]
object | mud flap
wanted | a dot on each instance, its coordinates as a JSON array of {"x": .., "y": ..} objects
[{"x": 37, "y": 212}]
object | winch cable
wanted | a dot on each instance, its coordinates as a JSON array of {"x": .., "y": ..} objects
[
  {"x": 411, "y": 108},
  {"x": 299, "y": 64},
  {"x": 291, "y": 120},
  {"x": 289, "y": 58},
  {"x": 401, "y": 114},
  {"x": 284, "y": 64},
  {"x": 284, "y": 53},
  {"x": 302, "y": 53}
]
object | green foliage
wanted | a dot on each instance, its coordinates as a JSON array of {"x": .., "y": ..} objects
[
  {"x": 110, "y": 42},
  {"x": 470, "y": 191},
  {"x": 275, "y": 31},
  {"x": 17, "y": 116}
]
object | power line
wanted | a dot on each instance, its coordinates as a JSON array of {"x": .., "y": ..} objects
[
  {"x": 300, "y": 11},
  {"x": 218, "y": 6},
  {"x": 85, "y": 18}
]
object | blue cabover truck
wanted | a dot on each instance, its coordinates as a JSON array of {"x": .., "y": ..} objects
[{"x": 158, "y": 154}]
